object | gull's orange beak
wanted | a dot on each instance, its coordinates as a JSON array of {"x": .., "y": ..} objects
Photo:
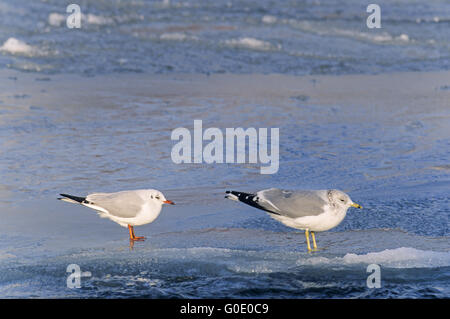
[{"x": 169, "y": 202}]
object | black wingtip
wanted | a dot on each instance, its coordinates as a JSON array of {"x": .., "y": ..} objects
[
  {"x": 75, "y": 198},
  {"x": 249, "y": 199}
]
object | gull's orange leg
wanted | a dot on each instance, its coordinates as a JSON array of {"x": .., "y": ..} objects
[
  {"x": 137, "y": 237},
  {"x": 130, "y": 230},
  {"x": 133, "y": 236}
]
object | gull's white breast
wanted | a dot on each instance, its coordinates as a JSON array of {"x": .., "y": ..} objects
[{"x": 325, "y": 221}]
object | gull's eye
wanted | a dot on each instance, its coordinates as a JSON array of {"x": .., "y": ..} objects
[
  {"x": 157, "y": 197},
  {"x": 342, "y": 200}
]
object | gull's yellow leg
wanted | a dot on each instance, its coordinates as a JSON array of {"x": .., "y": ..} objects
[
  {"x": 307, "y": 240},
  {"x": 314, "y": 240}
]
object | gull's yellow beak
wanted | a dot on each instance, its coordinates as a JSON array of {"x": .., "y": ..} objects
[{"x": 356, "y": 205}]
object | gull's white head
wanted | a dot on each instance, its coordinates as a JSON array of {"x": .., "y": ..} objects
[
  {"x": 157, "y": 197},
  {"x": 341, "y": 199}
]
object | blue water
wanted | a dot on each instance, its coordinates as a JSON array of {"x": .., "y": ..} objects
[
  {"x": 92, "y": 110},
  {"x": 295, "y": 37}
]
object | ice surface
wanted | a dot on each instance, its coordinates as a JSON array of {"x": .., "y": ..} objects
[{"x": 380, "y": 148}]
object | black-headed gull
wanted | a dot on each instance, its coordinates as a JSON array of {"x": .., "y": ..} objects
[
  {"x": 308, "y": 210},
  {"x": 126, "y": 208}
]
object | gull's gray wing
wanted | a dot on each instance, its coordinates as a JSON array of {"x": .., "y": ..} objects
[
  {"x": 126, "y": 204},
  {"x": 293, "y": 204}
]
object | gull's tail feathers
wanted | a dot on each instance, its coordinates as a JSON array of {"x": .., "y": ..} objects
[
  {"x": 249, "y": 199},
  {"x": 83, "y": 201}
]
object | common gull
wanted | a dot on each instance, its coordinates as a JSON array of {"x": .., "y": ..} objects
[{"x": 308, "y": 210}]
